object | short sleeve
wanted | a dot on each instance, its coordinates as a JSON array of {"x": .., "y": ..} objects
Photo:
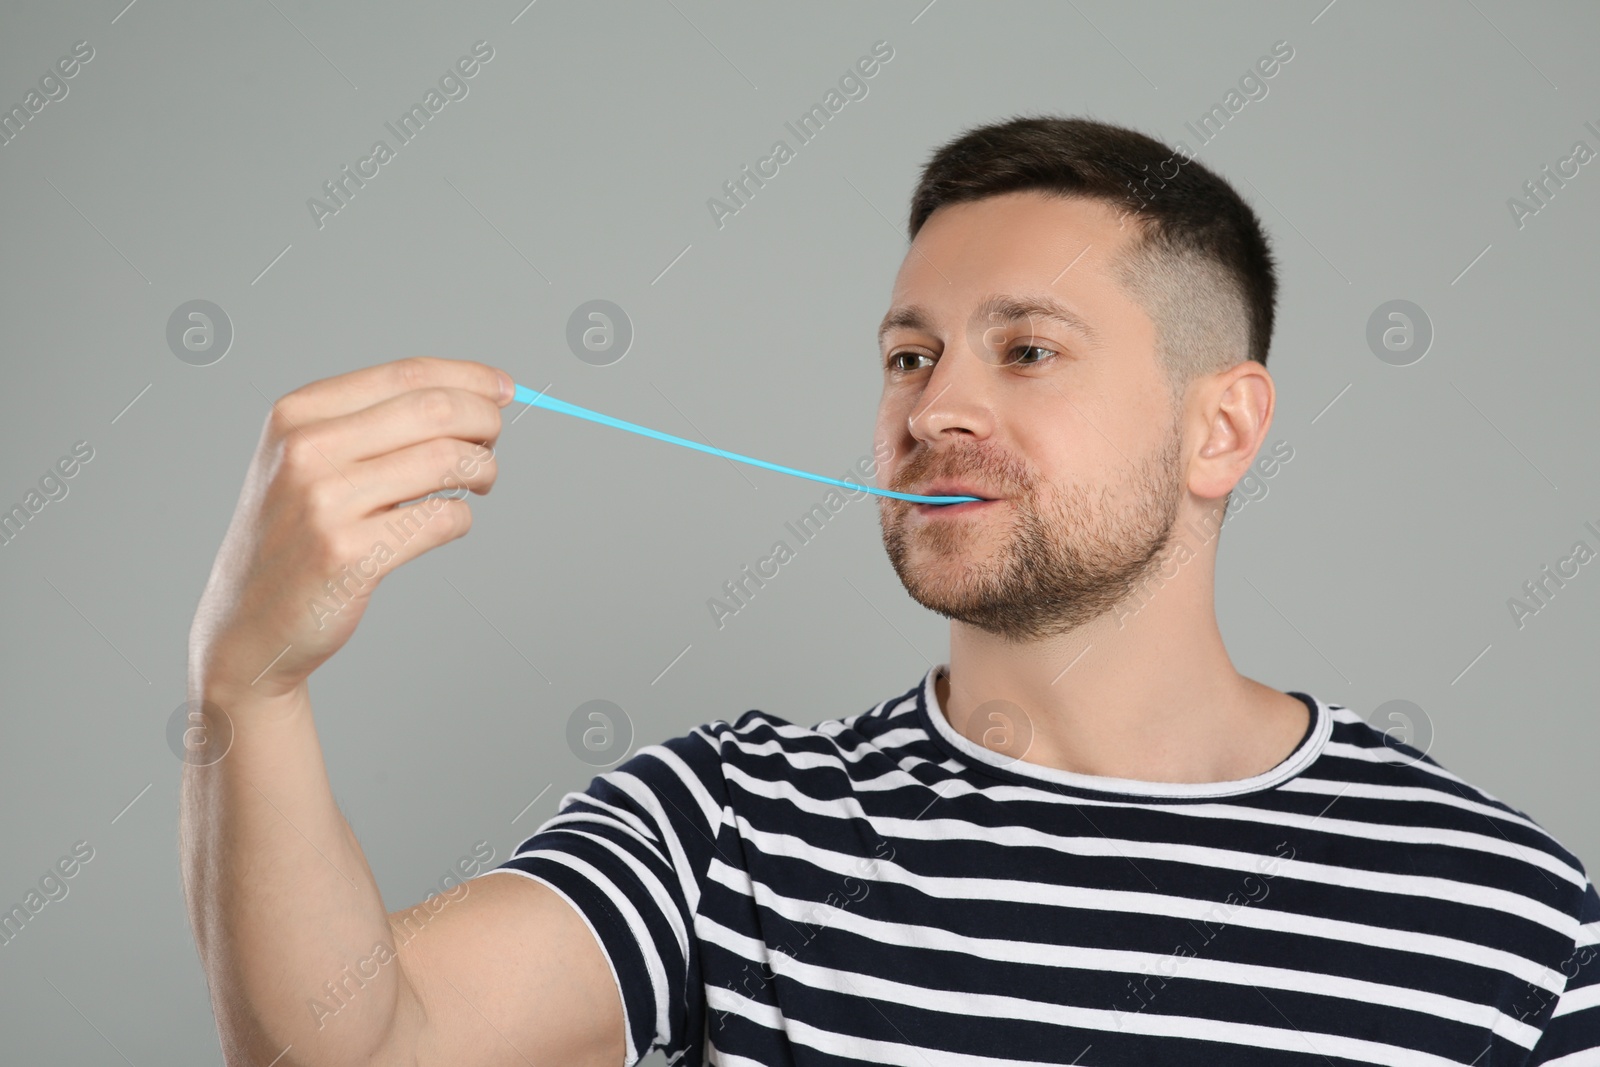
[
  {"x": 630, "y": 854},
  {"x": 1571, "y": 1036}
]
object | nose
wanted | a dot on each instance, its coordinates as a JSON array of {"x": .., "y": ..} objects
[{"x": 957, "y": 399}]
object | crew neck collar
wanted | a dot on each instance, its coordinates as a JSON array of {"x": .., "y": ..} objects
[{"x": 971, "y": 753}]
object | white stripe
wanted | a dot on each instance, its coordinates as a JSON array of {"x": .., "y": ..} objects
[
  {"x": 938, "y": 829},
  {"x": 718, "y": 1058},
  {"x": 1584, "y": 1057},
  {"x": 908, "y": 704},
  {"x": 799, "y": 758},
  {"x": 989, "y": 1005},
  {"x": 1417, "y": 793},
  {"x": 1117, "y": 961},
  {"x": 880, "y": 744},
  {"x": 1416, "y": 835},
  {"x": 1381, "y": 753},
  {"x": 837, "y": 760},
  {"x": 1578, "y": 1000},
  {"x": 570, "y": 798},
  {"x": 1137, "y": 903},
  {"x": 607, "y": 816}
]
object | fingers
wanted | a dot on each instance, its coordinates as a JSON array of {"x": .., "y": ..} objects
[
  {"x": 394, "y": 537},
  {"x": 342, "y": 394},
  {"x": 400, "y": 421},
  {"x": 443, "y": 463}
]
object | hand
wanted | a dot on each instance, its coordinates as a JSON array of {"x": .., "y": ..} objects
[{"x": 316, "y": 527}]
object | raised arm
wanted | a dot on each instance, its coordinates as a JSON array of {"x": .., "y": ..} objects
[{"x": 306, "y": 967}]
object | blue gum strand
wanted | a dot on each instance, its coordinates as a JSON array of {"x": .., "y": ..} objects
[{"x": 550, "y": 403}]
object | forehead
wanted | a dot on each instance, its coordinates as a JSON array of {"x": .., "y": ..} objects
[{"x": 1021, "y": 242}]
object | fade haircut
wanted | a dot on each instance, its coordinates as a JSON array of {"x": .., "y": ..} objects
[{"x": 1199, "y": 264}]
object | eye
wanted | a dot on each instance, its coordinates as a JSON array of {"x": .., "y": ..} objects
[
  {"x": 1029, "y": 348},
  {"x": 892, "y": 363}
]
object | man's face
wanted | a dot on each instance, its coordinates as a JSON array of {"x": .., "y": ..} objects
[{"x": 1069, "y": 427}]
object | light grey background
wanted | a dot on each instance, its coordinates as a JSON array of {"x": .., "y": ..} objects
[{"x": 1378, "y": 566}]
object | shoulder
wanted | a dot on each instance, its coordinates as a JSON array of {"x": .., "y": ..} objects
[
  {"x": 760, "y": 745},
  {"x": 1385, "y": 774}
]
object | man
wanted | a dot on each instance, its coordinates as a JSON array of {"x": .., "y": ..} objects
[{"x": 1086, "y": 838}]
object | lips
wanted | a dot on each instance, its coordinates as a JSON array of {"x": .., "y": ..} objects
[{"x": 956, "y": 489}]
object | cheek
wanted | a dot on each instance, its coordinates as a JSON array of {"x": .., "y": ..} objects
[
  {"x": 1058, "y": 438},
  {"x": 1077, "y": 456},
  {"x": 1110, "y": 428},
  {"x": 886, "y": 447},
  {"x": 891, "y": 428}
]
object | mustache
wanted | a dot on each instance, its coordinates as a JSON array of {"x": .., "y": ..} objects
[{"x": 992, "y": 470}]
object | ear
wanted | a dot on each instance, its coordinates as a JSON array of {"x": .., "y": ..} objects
[{"x": 1238, "y": 405}]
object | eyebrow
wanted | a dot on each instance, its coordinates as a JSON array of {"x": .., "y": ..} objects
[{"x": 995, "y": 310}]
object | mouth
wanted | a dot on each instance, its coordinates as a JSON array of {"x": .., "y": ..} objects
[
  {"x": 937, "y": 510},
  {"x": 947, "y": 488},
  {"x": 944, "y": 488}
]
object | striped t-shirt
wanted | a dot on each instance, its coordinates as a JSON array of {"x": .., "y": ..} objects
[{"x": 878, "y": 889}]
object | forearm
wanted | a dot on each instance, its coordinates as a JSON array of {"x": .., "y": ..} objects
[{"x": 291, "y": 927}]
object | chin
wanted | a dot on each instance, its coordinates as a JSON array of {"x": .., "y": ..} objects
[{"x": 944, "y": 583}]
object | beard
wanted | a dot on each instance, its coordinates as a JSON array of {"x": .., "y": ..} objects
[{"x": 1064, "y": 558}]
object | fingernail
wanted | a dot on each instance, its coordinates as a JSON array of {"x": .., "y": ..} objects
[{"x": 507, "y": 387}]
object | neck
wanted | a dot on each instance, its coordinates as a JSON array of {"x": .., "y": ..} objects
[{"x": 1146, "y": 692}]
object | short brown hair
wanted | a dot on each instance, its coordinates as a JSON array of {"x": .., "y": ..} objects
[{"x": 1200, "y": 265}]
